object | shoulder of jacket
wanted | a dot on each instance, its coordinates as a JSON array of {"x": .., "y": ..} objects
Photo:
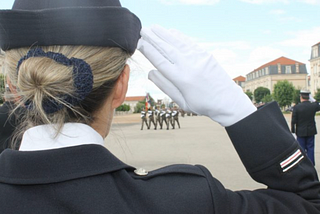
[{"x": 177, "y": 169}]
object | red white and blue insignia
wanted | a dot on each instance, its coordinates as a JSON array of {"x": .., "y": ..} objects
[{"x": 291, "y": 161}]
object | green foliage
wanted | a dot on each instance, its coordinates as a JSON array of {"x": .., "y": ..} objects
[
  {"x": 296, "y": 96},
  {"x": 123, "y": 107},
  {"x": 139, "y": 106},
  {"x": 249, "y": 94},
  {"x": 260, "y": 93},
  {"x": 267, "y": 98},
  {"x": 317, "y": 95},
  {"x": 283, "y": 93},
  {"x": 2, "y": 88}
]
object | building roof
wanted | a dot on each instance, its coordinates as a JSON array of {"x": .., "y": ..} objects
[
  {"x": 316, "y": 44},
  {"x": 281, "y": 60},
  {"x": 135, "y": 98},
  {"x": 240, "y": 79}
]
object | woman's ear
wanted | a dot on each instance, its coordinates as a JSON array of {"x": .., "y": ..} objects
[
  {"x": 121, "y": 87},
  {"x": 13, "y": 89}
]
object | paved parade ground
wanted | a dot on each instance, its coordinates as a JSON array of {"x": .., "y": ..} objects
[{"x": 199, "y": 141}]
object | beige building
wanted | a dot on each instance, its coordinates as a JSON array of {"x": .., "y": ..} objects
[
  {"x": 315, "y": 68},
  {"x": 132, "y": 101},
  {"x": 279, "y": 69},
  {"x": 240, "y": 80}
]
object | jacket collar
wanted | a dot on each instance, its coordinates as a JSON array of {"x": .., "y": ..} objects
[
  {"x": 57, "y": 165},
  {"x": 45, "y": 137}
]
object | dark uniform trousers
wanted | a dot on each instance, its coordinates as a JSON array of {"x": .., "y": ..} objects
[
  {"x": 89, "y": 179},
  {"x": 304, "y": 125}
]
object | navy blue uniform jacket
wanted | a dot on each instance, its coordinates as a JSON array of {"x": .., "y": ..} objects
[
  {"x": 8, "y": 123},
  {"x": 89, "y": 179},
  {"x": 302, "y": 122}
]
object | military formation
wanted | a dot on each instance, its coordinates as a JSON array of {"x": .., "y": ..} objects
[{"x": 163, "y": 117}]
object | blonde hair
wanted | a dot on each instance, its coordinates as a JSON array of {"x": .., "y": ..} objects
[{"x": 40, "y": 78}]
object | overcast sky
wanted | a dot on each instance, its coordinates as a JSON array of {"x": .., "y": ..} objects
[{"x": 241, "y": 34}]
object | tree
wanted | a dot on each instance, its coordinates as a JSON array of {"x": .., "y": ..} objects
[
  {"x": 139, "y": 106},
  {"x": 267, "y": 98},
  {"x": 296, "y": 96},
  {"x": 123, "y": 107},
  {"x": 126, "y": 107},
  {"x": 260, "y": 93},
  {"x": 317, "y": 95},
  {"x": 283, "y": 93},
  {"x": 249, "y": 94}
]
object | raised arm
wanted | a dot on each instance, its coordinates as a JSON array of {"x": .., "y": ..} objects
[{"x": 194, "y": 79}]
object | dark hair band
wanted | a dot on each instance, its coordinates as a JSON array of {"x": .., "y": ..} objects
[{"x": 81, "y": 74}]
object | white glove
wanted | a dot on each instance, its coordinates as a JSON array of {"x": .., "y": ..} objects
[
  {"x": 192, "y": 77},
  {"x": 311, "y": 99}
]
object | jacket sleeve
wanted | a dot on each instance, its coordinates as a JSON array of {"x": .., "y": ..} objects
[{"x": 272, "y": 157}]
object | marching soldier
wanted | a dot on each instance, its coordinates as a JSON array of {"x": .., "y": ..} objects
[
  {"x": 143, "y": 119},
  {"x": 158, "y": 117},
  {"x": 175, "y": 117},
  {"x": 169, "y": 118},
  {"x": 151, "y": 118},
  {"x": 182, "y": 112},
  {"x": 162, "y": 117}
]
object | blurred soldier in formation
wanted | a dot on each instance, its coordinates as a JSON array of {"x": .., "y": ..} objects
[
  {"x": 175, "y": 117},
  {"x": 158, "y": 117},
  {"x": 169, "y": 118},
  {"x": 163, "y": 117},
  {"x": 182, "y": 112},
  {"x": 151, "y": 118},
  {"x": 143, "y": 118}
]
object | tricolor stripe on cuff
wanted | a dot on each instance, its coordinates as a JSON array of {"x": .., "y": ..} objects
[{"x": 291, "y": 161}]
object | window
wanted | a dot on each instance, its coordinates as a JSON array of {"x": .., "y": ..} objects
[
  {"x": 288, "y": 69},
  {"x": 315, "y": 52},
  {"x": 267, "y": 71}
]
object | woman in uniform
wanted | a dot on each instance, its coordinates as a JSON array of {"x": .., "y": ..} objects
[{"x": 68, "y": 63}]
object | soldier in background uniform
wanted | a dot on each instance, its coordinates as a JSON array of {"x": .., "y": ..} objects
[
  {"x": 158, "y": 117},
  {"x": 175, "y": 117},
  {"x": 143, "y": 118},
  {"x": 163, "y": 117},
  {"x": 303, "y": 123},
  {"x": 169, "y": 118},
  {"x": 151, "y": 118},
  {"x": 182, "y": 112}
]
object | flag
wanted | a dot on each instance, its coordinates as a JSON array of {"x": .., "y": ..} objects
[{"x": 148, "y": 102}]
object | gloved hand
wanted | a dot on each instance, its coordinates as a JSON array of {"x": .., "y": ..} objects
[{"x": 192, "y": 77}]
